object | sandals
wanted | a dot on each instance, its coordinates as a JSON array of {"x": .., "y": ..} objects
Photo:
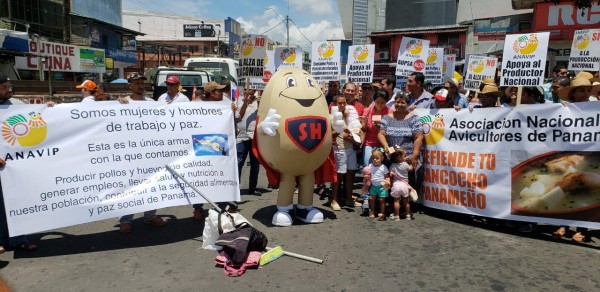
[
  {"x": 579, "y": 237},
  {"x": 410, "y": 217},
  {"x": 371, "y": 214},
  {"x": 2, "y": 250},
  {"x": 559, "y": 233},
  {"x": 381, "y": 217}
]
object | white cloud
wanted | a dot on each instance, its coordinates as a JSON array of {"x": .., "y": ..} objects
[{"x": 314, "y": 7}]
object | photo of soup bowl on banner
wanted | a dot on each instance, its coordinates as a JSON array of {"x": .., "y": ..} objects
[{"x": 558, "y": 184}]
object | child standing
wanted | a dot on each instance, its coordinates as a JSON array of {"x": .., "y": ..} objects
[
  {"x": 380, "y": 183},
  {"x": 400, "y": 187}
]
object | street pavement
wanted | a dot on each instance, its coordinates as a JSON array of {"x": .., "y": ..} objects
[{"x": 438, "y": 251}]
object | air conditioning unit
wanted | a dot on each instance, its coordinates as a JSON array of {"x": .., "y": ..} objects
[{"x": 384, "y": 55}]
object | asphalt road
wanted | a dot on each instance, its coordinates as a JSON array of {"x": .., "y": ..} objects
[{"x": 438, "y": 251}]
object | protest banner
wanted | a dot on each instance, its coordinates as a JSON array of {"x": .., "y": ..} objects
[
  {"x": 585, "y": 50},
  {"x": 448, "y": 66},
  {"x": 269, "y": 64},
  {"x": 288, "y": 57},
  {"x": 524, "y": 59},
  {"x": 104, "y": 160},
  {"x": 257, "y": 83},
  {"x": 253, "y": 51},
  {"x": 522, "y": 163},
  {"x": 412, "y": 55},
  {"x": 434, "y": 65},
  {"x": 325, "y": 65},
  {"x": 479, "y": 68},
  {"x": 360, "y": 63}
]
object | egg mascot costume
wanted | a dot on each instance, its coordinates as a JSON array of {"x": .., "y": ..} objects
[{"x": 293, "y": 142}]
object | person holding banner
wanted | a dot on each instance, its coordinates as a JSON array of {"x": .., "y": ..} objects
[
  {"x": 172, "y": 94},
  {"x": 457, "y": 99},
  {"x": 371, "y": 122},
  {"x": 136, "y": 83},
  {"x": 88, "y": 90},
  {"x": 418, "y": 97},
  {"x": 580, "y": 90},
  {"x": 560, "y": 70},
  {"x": 557, "y": 84}
]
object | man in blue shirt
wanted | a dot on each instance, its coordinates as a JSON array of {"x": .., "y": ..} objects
[{"x": 418, "y": 97}]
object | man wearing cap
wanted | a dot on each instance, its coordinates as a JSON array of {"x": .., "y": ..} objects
[
  {"x": 137, "y": 87},
  {"x": 418, "y": 97},
  {"x": 456, "y": 99},
  {"x": 6, "y": 91},
  {"x": 88, "y": 88},
  {"x": 173, "y": 94}
]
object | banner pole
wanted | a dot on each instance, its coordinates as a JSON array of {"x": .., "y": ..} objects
[
  {"x": 519, "y": 93},
  {"x": 193, "y": 187}
]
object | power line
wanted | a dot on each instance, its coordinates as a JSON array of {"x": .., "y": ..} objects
[{"x": 298, "y": 29}]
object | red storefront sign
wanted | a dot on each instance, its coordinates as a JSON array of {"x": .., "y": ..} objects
[{"x": 564, "y": 18}]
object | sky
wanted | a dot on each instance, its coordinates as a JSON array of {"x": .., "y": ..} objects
[{"x": 310, "y": 20}]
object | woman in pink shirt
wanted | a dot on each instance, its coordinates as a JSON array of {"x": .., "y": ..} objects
[{"x": 370, "y": 123}]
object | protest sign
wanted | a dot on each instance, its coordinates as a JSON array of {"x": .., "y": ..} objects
[
  {"x": 94, "y": 161},
  {"x": 448, "y": 66},
  {"x": 325, "y": 64},
  {"x": 585, "y": 50},
  {"x": 512, "y": 168},
  {"x": 269, "y": 65},
  {"x": 434, "y": 66},
  {"x": 479, "y": 68},
  {"x": 253, "y": 51},
  {"x": 360, "y": 63},
  {"x": 288, "y": 57},
  {"x": 257, "y": 83},
  {"x": 524, "y": 59},
  {"x": 412, "y": 55}
]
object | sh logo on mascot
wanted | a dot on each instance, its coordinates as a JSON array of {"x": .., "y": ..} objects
[{"x": 293, "y": 140}]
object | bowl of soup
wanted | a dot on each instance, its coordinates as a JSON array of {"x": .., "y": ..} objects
[{"x": 558, "y": 184}]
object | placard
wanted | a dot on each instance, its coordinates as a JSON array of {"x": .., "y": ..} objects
[
  {"x": 253, "y": 51},
  {"x": 325, "y": 65},
  {"x": 412, "y": 56},
  {"x": 434, "y": 66},
  {"x": 524, "y": 59},
  {"x": 360, "y": 64},
  {"x": 585, "y": 50},
  {"x": 479, "y": 68}
]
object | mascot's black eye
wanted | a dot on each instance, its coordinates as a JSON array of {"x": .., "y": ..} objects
[
  {"x": 310, "y": 82},
  {"x": 291, "y": 82}
]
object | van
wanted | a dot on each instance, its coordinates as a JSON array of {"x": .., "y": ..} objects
[
  {"x": 187, "y": 78},
  {"x": 217, "y": 66}
]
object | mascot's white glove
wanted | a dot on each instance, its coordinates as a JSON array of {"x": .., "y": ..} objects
[
  {"x": 337, "y": 120},
  {"x": 271, "y": 123}
]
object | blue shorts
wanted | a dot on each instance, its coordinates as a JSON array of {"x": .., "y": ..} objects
[{"x": 378, "y": 191}]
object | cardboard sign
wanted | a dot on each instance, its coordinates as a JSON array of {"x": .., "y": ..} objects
[
  {"x": 434, "y": 66},
  {"x": 360, "y": 63},
  {"x": 585, "y": 50},
  {"x": 412, "y": 56},
  {"x": 253, "y": 50},
  {"x": 479, "y": 68},
  {"x": 524, "y": 59},
  {"x": 325, "y": 64}
]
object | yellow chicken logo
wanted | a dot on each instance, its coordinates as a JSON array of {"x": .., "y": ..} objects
[
  {"x": 288, "y": 55},
  {"x": 361, "y": 53},
  {"x": 414, "y": 47},
  {"x": 432, "y": 56},
  {"x": 525, "y": 44},
  {"x": 581, "y": 42},
  {"x": 433, "y": 128},
  {"x": 247, "y": 47},
  {"x": 27, "y": 133},
  {"x": 477, "y": 66},
  {"x": 326, "y": 50}
]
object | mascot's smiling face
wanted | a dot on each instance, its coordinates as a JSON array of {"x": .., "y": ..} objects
[{"x": 294, "y": 84}]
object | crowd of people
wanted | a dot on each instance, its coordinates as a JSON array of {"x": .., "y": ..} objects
[{"x": 381, "y": 138}]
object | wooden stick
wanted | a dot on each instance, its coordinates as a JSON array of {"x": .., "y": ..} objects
[{"x": 519, "y": 93}]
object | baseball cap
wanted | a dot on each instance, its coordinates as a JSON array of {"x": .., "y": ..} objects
[
  {"x": 441, "y": 94},
  {"x": 3, "y": 78},
  {"x": 136, "y": 76},
  {"x": 87, "y": 85},
  {"x": 210, "y": 86},
  {"x": 173, "y": 80}
]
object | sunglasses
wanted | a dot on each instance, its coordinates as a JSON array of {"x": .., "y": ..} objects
[{"x": 172, "y": 84}]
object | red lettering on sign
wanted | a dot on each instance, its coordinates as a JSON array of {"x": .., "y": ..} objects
[
  {"x": 596, "y": 36},
  {"x": 419, "y": 65}
]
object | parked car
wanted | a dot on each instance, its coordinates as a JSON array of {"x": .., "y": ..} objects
[{"x": 187, "y": 77}]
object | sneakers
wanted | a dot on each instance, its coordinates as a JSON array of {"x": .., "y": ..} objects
[
  {"x": 255, "y": 193},
  {"x": 155, "y": 221},
  {"x": 335, "y": 206},
  {"x": 125, "y": 227},
  {"x": 198, "y": 215}
]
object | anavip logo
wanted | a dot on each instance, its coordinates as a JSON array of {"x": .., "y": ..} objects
[
  {"x": 525, "y": 44},
  {"x": 288, "y": 55},
  {"x": 433, "y": 128},
  {"x": 247, "y": 47},
  {"x": 476, "y": 66},
  {"x": 325, "y": 50},
  {"x": 361, "y": 53},
  {"x": 432, "y": 56},
  {"x": 414, "y": 47},
  {"x": 581, "y": 42},
  {"x": 27, "y": 133}
]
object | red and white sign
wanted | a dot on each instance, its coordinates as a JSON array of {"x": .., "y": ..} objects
[{"x": 564, "y": 18}]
